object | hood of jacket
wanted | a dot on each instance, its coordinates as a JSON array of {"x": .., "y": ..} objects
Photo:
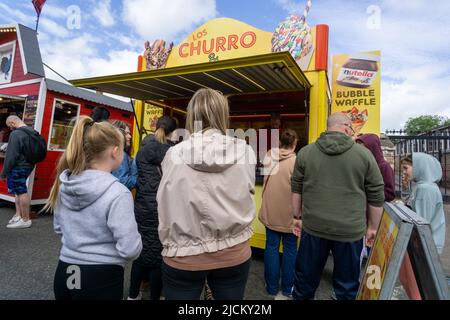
[
  {"x": 279, "y": 154},
  {"x": 334, "y": 143},
  {"x": 373, "y": 143},
  {"x": 79, "y": 192},
  {"x": 211, "y": 151},
  {"x": 426, "y": 168}
]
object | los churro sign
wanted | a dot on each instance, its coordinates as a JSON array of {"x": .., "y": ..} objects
[
  {"x": 220, "y": 39},
  {"x": 224, "y": 39}
]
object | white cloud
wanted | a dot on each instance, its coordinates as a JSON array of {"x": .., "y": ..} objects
[
  {"x": 80, "y": 58},
  {"x": 53, "y": 11},
  {"x": 103, "y": 12},
  {"x": 291, "y": 6},
  {"x": 163, "y": 19},
  {"x": 52, "y": 27},
  {"x": 16, "y": 15},
  {"x": 127, "y": 41},
  {"x": 414, "y": 40}
]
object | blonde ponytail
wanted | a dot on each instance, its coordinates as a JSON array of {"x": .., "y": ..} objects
[
  {"x": 160, "y": 135},
  {"x": 89, "y": 140}
]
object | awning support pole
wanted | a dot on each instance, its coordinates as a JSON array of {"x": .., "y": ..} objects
[{"x": 136, "y": 119}]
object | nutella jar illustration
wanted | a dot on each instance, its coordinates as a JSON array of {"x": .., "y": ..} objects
[{"x": 359, "y": 71}]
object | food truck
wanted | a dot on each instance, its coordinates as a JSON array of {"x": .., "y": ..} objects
[
  {"x": 46, "y": 105},
  {"x": 262, "y": 73}
]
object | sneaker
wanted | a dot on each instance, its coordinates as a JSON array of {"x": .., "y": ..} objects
[
  {"x": 19, "y": 224},
  {"x": 282, "y": 296},
  {"x": 139, "y": 297},
  {"x": 333, "y": 295},
  {"x": 14, "y": 219},
  {"x": 399, "y": 293}
]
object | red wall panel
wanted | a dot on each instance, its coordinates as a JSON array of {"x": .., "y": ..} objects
[{"x": 45, "y": 171}]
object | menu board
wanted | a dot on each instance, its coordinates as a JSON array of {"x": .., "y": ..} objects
[
  {"x": 151, "y": 115},
  {"x": 380, "y": 257},
  {"x": 29, "y": 114}
]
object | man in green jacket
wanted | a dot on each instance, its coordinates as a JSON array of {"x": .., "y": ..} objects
[{"x": 335, "y": 180}]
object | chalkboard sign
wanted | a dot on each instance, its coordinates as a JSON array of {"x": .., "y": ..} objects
[
  {"x": 402, "y": 230},
  {"x": 29, "y": 114}
]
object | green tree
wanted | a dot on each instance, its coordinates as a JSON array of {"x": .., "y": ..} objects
[{"x": 423, "y": 124}]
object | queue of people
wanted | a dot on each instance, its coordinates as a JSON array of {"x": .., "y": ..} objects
[{"x": 189, "y": 222}]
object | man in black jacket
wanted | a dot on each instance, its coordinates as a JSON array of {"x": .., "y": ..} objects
[{"x": 17, "y": 169}]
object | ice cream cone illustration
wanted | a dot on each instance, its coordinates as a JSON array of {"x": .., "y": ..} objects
[{"x": 294, "y": 35}]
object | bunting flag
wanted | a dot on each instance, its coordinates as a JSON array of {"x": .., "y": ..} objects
[{"x": 38, "y": 4}]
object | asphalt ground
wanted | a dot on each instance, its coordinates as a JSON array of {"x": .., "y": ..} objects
[{"x": 28, "y": 259}]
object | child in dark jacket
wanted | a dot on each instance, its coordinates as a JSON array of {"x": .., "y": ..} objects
[{"x": 148, "y": 161}]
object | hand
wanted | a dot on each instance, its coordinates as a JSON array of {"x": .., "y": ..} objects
[
  {"x": 405, "y": 182},
  {"x": 297, "y": 230},
  {"x": 370, "y": 237}
]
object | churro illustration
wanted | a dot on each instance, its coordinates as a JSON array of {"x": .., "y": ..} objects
[
  {"x": 157, "y": 54},
  {"x": 358, "y": 119}
]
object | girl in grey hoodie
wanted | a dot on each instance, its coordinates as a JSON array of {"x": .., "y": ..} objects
[{"x": 93, "y": 214}]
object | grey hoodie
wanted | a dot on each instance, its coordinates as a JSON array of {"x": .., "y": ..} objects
[
  {"x": 95, "y": 216},
  {"x": 426, "y": 196}
]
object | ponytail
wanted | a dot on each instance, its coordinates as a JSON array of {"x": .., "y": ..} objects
[
  {"x": 88, "y": 141},
  {"x": 160, "y": 135},
  {"x": 165, "y": 126}
]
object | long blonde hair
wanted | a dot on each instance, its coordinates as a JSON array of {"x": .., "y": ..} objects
[
  {"x": 123, "y": 126},
  {"x": 88, "y": 142},
  {"x": 211, "y": 108}
]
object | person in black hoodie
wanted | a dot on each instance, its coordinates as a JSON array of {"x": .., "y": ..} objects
[
  {"x": 148, "y": 161},
  {"x": 17, "y": 169}
]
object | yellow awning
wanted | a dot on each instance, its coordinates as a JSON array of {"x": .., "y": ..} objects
[{"x": 267, "y": 73}]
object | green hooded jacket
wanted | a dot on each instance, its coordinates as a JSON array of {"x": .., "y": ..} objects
[{"x": 337, "y": 178}]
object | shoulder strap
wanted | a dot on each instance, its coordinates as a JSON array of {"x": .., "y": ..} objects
[{"x": 270, "y": 173}]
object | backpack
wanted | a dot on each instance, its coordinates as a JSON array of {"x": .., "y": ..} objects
[{"x": 36, "y": 149}]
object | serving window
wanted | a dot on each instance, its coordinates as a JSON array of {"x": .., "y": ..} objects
[
  {"x": 9, "y": 107},
  {"x": 64, "y": 114}
]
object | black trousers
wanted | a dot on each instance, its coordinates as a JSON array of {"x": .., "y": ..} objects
[
  {"x": 88, "y": 282},
  {"x": 140, "y": 273},
  {"x": 311, "y": 259},
  {"x": 225, "y": 283}
]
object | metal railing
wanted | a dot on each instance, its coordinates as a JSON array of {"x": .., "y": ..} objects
[{"x": 436, "y": 144}]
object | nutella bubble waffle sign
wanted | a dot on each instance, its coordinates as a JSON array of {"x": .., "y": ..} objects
[{"x": 356, "y": 90}]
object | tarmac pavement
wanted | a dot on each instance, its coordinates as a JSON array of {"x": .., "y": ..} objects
[{"x": 28, "y": 259}]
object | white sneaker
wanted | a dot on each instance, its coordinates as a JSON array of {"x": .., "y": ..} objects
[
  {"x": 139, "y": 297},
  {"x": 14, "y": 219},
  {"x": 281, "y": 296},
  {"x": 19, "y": 224}
]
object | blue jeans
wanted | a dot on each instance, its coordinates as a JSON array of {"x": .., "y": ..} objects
[
  {"x": 311, "y": 259},
  {"x": 272, "y": 261}
]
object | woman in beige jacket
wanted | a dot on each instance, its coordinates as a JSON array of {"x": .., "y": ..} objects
[
  {"x": 276, "y": 215},
  {"x": 206, "y": 205}
]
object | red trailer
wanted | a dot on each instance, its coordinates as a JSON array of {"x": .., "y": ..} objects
[{"x": 46, "y": 105}]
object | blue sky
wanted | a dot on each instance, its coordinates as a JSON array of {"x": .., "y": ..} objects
[{"x": 413, "y": 35}]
